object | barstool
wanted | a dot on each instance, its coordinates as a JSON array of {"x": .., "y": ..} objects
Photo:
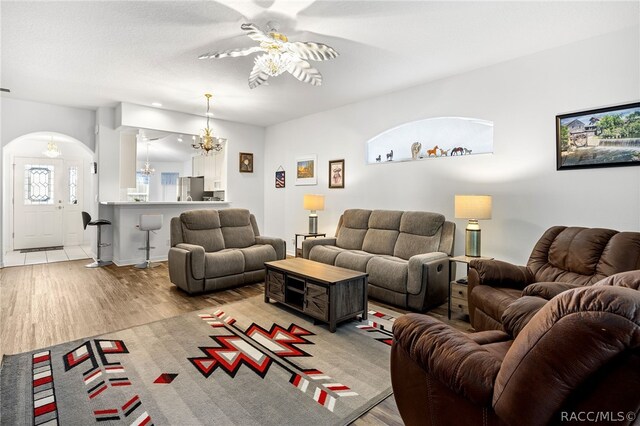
[
  {"x": 86, "y": 220},
  {"x": 148, "y": 223}
]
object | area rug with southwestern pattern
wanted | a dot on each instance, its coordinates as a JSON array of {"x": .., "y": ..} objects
[{"x": 244, "y": 363}]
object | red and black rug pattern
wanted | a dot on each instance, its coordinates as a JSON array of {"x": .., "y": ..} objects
[
  {"x": 379, "y": 326},
  {"x": 259, "y": 349},
  {"x": 106, "y": 382}
]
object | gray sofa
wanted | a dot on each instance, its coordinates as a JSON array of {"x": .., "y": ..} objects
[
  {"x": 406, "y": 254},
  {"x": 217, "y": 249}
]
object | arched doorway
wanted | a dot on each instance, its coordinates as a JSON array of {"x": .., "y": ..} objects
[{"x": 44, "y": 196}]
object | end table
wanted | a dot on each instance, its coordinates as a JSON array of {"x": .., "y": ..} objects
[
  {"x": 304, "y": 237},
  {"x": 458, "y": 297}
]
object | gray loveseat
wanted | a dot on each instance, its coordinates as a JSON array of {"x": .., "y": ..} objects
[
  {"x": 406, "y": 254},
  {"x": 217, "y": 249}
]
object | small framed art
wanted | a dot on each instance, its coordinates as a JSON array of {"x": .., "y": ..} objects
[
  {"x": 306, "y": 173},
  {"x": 336, "y": 174},
  {"x": 280, "y": 178},
  {"x": 246, "y": 162}
]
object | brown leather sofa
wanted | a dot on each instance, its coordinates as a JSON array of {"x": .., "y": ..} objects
[
  {"x": 563, "y": 258},
  {"x": 576, "y": 359}
]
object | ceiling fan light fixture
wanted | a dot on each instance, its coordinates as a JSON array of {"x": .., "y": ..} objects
[
  {"x": 274, "y": 63},
  {"x": 279, "y": 55}
]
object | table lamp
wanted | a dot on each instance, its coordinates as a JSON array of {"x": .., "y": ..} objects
[
  {"x": 472, "y": 207},
  {"x": 313, "y": 202}
]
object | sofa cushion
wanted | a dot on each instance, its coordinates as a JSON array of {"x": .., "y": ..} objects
[
  {"x": 380, "y": 241},
  {"x": 200, "y": 219},
  {"x": 388, "y": 272},
  {"x": 325, "y": 254},
  {"x": 202, "y": 228},
  {"x": 238, "y": 236},
  {"x": 256, "y": 255},
  {"x": 235, "y": 217},
  {"x": 223, "y": 263},
  {"x": 356, "y": 218},
  {"x": 385, "y": 219},
  {"x": 356, "y": 260},
  {"x": 354, "y": 227},
  {"x": 420, "y": 232},
  {"x": 421, "y": 223}
]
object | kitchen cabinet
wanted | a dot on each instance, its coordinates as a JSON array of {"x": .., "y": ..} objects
[{"x": 213, "y": 168}]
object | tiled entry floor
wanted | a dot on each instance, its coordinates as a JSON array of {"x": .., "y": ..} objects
[{"x": 15, "y": 258}]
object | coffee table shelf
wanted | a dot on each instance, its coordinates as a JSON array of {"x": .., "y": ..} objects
[{"x": 324, "y": 292}]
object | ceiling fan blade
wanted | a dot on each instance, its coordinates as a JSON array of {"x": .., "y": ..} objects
[
  {"x": 255, "y": 33},
  {"x": 313, "y": 51},
  {"x": 257, "y": 77},
  {"x": 233, "y": 53},
  {"x": 304, "y": 72}
]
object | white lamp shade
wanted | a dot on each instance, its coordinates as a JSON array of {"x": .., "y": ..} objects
[
  {"x": 313, "y": 202},
  {"x": 473, "y": 206}
]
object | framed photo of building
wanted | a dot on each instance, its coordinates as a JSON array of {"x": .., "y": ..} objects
[
  {"x": 246, "y": 162},
  {"x": 336, "y": 174},
  {"x": 306, "y": 170},
  {"x": 604, "y": 137}
]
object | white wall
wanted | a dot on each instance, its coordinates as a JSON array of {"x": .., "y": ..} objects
[
  {"x": 20, "y": 118},
  {"x": 522, "y": 98}
]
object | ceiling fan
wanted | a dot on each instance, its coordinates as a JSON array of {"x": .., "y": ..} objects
[{"x": 279, "y": 55}]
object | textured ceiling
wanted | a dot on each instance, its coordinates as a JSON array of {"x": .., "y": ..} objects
[{"x": 99, "y": 53}]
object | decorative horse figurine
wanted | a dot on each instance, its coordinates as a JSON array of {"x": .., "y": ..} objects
[
  {"x": 443, "y": 152},
  {"x": 415, "y": 150},
  {"x": 378, "y": 158},
  {"x": 390, "y": 156},
  {"x": 467, "y": 151},
  {"x": 433, "y": 151}
]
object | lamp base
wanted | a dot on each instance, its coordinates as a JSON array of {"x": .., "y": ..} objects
[
  {"x": 313, "y": 224},
  {"x": 472, "y": 239}
]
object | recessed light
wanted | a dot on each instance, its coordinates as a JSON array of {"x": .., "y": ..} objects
[{"x": 156, "y": 104}]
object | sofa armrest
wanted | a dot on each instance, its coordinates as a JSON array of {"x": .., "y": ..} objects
[
  {"x": 278, "y": 244},
  {"x": 195, "y": 258},
  {"x": 448, "y": 355},
  {"x": 307, "y": 245},
  {"x": 548, "y": 290},
  {"x": 427, "y": 267},
  {"x": 496, "y": 273},
  {"x": 519, "y": 313}
]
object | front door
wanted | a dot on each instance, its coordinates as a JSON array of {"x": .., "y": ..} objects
[{"x": 38, "y": 204}]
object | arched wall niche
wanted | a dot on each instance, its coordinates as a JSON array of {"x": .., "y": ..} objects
[{"x": 432, "y": 138}]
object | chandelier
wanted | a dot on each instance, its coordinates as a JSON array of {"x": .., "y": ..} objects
[
  {"x": 208, "y": 142},
  {"x": 52, "y": 150},
  {"x": 147, "y": 170}
]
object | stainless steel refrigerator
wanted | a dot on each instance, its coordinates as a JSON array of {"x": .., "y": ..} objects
[{"x": 190, "y": 188}]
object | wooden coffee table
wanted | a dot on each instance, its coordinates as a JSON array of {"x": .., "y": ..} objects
[{"x": 324, "y": 292}]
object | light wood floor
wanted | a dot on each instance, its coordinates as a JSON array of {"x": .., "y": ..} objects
[{"x": 46, "y": 304}]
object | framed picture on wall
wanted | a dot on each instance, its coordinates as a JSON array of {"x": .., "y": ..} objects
[
  {"x": 336, "y": 174},
  {"x": 246, "y": 162},
  {"x": 280, "y": 178},
  {"x": 604, "y": 137},
  {"x": 306, "y": 170}
]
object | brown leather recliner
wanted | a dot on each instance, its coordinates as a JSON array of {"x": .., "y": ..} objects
[
  {"x": 576, "y": 359},
  {"x": 563, "y": 258}
]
